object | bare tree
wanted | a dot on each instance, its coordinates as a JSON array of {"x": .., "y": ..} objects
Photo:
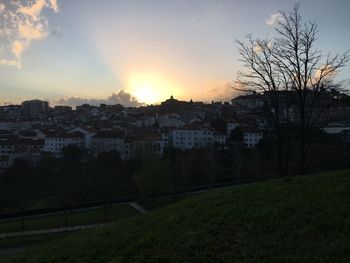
[
  {"x": 289, "y": 65},
  {"x": 264, "y": 75}
]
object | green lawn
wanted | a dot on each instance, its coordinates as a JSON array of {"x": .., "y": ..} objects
[
  {"x": 299, "y": 219},
  {"x": 79, "y": 218}
]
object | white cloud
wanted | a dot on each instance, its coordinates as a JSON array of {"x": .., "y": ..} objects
[
  {"x": 325, "y": 72},
  {"x": 54, "y": 5},
  {"x": 257, "y": 49},
  {"x": 122, "y": 97},
  {"x": 2, "y": 7},
  {"x": 274, "y": 18},
  {"x": 9, "y": 63},
  {"x": 17, "y": 48},
  {"x": 22, "y": 22},
  {"x": 32, "y": 31},
  {"x": 32, "y": 10}
]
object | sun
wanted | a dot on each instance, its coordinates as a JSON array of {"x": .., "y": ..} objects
[{"x": 150, "y": 88}]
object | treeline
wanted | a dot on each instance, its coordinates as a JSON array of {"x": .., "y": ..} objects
[{"x": 77, "y": 180}]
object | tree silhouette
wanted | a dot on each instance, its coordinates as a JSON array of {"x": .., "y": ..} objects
[{"x": 289, "y": 70}]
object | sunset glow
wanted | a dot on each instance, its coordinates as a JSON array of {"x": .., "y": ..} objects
[
  {"x": 150, "y": 88},
  {"x": 79, "y": 51}
]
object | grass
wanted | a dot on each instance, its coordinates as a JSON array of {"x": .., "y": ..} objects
[
  {"x": 77, "y": 218},
  {"x": 151, "y": 204},
  {"x": 43, "y": 202},
  {"x": 30, "y": 240},
  {"x": 299, "y": 219},
  {"x": 26, "y": 242}
]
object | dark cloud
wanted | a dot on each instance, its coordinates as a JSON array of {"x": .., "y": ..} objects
[{"x": 122, "y": 97}]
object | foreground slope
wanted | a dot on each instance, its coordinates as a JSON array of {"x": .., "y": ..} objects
[{"x": 300, "y": 219}]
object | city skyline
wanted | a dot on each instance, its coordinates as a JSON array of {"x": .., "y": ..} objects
[{"x": 140, "y": 51}]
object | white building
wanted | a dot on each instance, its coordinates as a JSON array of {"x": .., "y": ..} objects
[
  {"x": 219, "y": 138},
  {"x": 252, "y": 137},
  {"x": 231, "y": 124},
  {"x": 107, "y": 141},
  {"x": 15, "y": 125},
  {"x": 148, "y": 142},
  {"x": 17, "y": 148},
  {"x": 170, "y": 120},
  {"x": 189, "y": 138},
  {"x": 88, "y": 133},
  {"x": 55, "y": 141}
]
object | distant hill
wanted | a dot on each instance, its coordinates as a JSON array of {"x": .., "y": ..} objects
[{"x": 299, "y": 219}]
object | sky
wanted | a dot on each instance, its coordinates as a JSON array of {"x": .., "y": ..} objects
[{"x": 141, "y": 51}]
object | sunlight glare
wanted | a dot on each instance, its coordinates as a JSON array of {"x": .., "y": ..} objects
[{"x": 150, "y": 88}]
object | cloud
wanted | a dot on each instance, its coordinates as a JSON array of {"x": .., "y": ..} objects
[
  {"x": 257, "y": 49},
  {"x": 346, "y": 85},
  {"x": 57, "y": 32},
  {"x": 274, "y": 18},
  {"x": 324, "y": 72},
  {"x": 2, "y": 7},
  {"x": 222, "y": 91},
  {"x": 122, "y": 97},
  {"x": 22, "y": 22},
  {"x": 33, "y": 10},
  {"x": 8, "y": 62},
  {"x": 17, "y": 48},
  {"x": 32, "y": 31},
  {"x": 54, "y": 5}
]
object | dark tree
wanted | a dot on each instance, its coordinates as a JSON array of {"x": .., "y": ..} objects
[
  {"x": 289, "y": 69},
  {"x": 154, "y": 177},
  {"x": 72, "y": 152},
  {"x": 20, "y": 175},
  {"x": 108, "y": 160},
  {"x": 219, "y": 125},
  {"x": 236, "y": 135}
]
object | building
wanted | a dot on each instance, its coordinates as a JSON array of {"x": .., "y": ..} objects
[
  {"x": 17, "y": 148},
  {"x": 144, "y": 142},
  {"x": 107, "y": 141},
  {"x": 16, "y": 125},
  {"x": 10, "y": 112},
  {"x": 231, "y": 124},
  {"x": 88, "y": 133},
  {"x": 248, "y": 103},
  {"x": 186, "y": 138},
  {"x": 34, "y": 108},
  {"x": 29, "y": 150},
  {"x": 55, "y": 141},
  {"x": 251, "y": 137},
  {"x": 5, "y": 161},
  {"x": 219, "y": 138},
  {"x": 170, "y": 120},
  {"x": 62, "y": 109}
]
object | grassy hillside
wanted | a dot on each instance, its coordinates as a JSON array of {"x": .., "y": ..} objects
[{"x": 300, "y": 219}]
